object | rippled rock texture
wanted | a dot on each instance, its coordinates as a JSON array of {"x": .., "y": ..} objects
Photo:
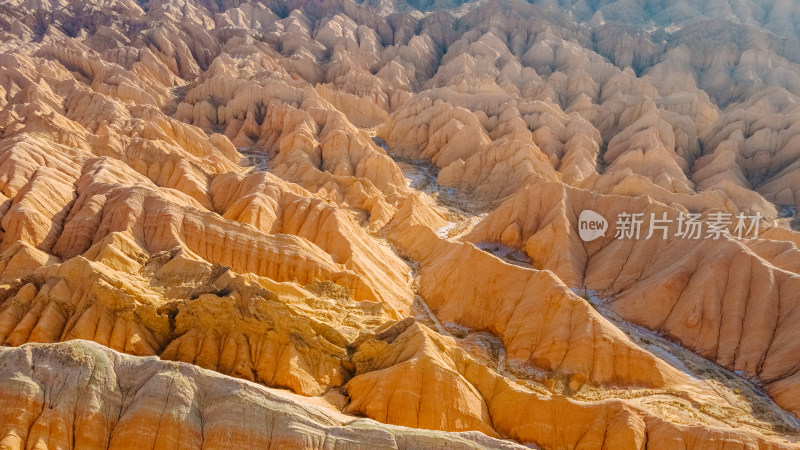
[{"x": 338, "y": 224}]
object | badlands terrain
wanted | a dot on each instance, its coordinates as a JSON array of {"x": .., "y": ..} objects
[{"x": 338, "y": 224}]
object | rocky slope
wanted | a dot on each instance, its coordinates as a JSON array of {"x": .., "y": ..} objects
[{"x": 340, "y": 224}]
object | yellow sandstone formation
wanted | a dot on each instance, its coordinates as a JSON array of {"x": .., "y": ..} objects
[{"x": 354, "y": 224}]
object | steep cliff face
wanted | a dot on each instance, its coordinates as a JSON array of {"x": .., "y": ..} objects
[{"x": 341, "y": 224}]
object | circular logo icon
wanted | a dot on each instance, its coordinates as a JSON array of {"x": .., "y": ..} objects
[{"x": 591, "y": 225}]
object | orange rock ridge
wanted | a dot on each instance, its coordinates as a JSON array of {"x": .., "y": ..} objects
[{"x": 353, "y": 224}]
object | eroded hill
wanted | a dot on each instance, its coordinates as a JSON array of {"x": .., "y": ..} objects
[{"x": 326, "y": 223}]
